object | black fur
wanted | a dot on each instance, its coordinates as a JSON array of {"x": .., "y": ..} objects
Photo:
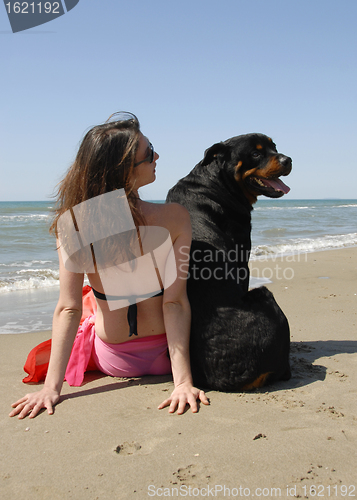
[{"x": 236, "y": 336}]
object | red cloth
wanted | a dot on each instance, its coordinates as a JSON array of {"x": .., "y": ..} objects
[
  {"x": 81, "y": 355},
  {"x": 37, "y": 361},
  {"x": 89, "y": 305}
]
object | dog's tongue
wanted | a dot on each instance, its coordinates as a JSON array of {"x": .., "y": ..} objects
[{"x": 277, "y": 184}]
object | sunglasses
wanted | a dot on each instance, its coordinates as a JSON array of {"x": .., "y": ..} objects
[{"x": 149, "y": 158}]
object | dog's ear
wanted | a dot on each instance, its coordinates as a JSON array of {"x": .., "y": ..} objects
[{"x": 218, "y": 150}]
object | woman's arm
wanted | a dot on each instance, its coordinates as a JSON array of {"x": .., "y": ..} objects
[
  {"x": 177, "y": 318},
  {"x": 65, "y": 324}
]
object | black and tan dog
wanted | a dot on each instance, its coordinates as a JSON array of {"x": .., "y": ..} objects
[{"x": 239, "y": 339}]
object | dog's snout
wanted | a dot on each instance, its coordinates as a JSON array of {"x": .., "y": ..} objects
[{"x": 287, "y": 164}]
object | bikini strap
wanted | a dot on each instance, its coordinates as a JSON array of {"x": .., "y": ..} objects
[
  {"x": 132, "y": 309},
  {"x": 103, "y": 296},
  {"x": 133, "y": 319}
]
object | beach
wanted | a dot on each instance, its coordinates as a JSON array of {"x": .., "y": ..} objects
[{"x": 293, "y": 439}]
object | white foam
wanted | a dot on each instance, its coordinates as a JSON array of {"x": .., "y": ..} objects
[
  {"x": 322, "y": 207},
  {"x": 305, "y": 245},
  {"x": 282, "y": 208},
  {"x": 46, "y": 273},
  {"x": 25, "y": 263},
  {"x": 22, "y": 218},
  {"x": 12, "y": 327},
  {"x": 49, "y": 278}
]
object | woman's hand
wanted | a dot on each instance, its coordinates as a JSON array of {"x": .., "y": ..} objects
[
  {"x": 184, "y": 394},
  {"x": 34, "y": 402}
]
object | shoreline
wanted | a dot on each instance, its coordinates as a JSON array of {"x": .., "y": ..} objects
[
  {"x": 107, "y": 439},
  {"x": 279, "y": 256},
  {"x": 26, "y": 302}
]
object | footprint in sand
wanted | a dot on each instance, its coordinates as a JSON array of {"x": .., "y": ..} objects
[
  {"x": 331, "y": 410},
  {"x": 341, "y": 376},
  {"x": 318, "y": 473},
  {"x": 191, "y": 475},
  {"x": 127, "y": 448}
]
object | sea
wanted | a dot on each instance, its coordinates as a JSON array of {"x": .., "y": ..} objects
[{"x": 29, "y": 276}]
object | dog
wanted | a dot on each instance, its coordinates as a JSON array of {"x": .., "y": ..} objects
[{"x": 240, "y": 339}]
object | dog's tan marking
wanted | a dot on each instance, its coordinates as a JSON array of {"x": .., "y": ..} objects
[
  {"x": 259, "y": 382},
  {"x": 239, "y": 177},
  {"x": 250, "y": 172},
  {"x": 272, "y": 169},
  {"x": 237, "y": 174},
  {"x": 259, "y": 146}
]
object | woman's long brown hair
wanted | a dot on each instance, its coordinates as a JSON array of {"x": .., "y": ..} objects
[{"x": 104, "y": 162}]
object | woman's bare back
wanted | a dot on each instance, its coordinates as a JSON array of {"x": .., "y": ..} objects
[{"x": 112, "y": 325}]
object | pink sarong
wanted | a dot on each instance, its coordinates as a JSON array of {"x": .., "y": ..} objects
[
  {"x": 142, "y": 356},
  {"x": 134, "y": 358}
]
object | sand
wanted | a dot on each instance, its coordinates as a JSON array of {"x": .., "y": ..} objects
[{"x": 295, "y": 439}]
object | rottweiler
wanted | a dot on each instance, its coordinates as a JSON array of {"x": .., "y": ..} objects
[{"x": 240, "y": 339}]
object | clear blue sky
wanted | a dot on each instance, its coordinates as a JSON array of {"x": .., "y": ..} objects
[{"x": 195, "y": 72}]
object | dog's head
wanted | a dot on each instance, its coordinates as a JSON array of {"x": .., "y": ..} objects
[{"x": 253, "y": 162}]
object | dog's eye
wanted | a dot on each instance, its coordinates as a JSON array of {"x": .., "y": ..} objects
[{"x": 256, "y": 154}]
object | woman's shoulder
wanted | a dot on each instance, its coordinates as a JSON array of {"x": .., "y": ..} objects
[
  {"x": 164, "y": 210},
  {"x": 174, "y": 209},
  {"x": 170, "y": 215}
]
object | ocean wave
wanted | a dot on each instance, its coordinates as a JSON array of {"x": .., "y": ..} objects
[
  {"x": 31, "y": 326},
  {"x": 303, "y": 207},
  {"x": 39, "y": 273},
  {"x": 305, "y": 245},
  {"x": 27, "y": 284},
  {"x": 26, "y": 263},
  {"x": 27, "y": 279},
  {"x": 22, "y": 217},
  {"x": 274, "y": 231},
  {"x": 32, "y": 279},
  {"x": 283, "y": 208}
]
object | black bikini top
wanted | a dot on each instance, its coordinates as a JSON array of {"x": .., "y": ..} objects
[{"x": 132, "y": 310}]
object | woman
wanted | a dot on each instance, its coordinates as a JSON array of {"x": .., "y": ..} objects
[{"x": 114, "y": 156}]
